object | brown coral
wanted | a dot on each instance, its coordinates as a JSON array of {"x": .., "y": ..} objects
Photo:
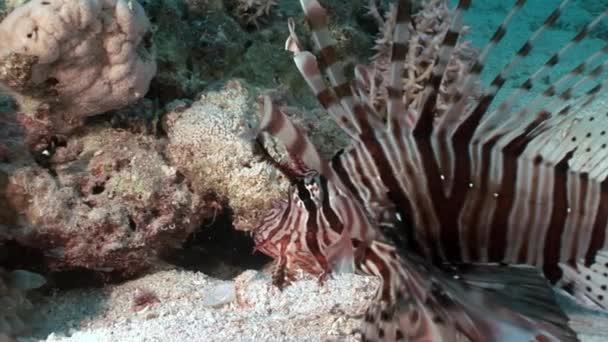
[{"x": 108, "y": 202}]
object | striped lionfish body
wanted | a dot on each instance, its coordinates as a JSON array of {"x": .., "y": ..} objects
[{"x": 441, "y": 196}]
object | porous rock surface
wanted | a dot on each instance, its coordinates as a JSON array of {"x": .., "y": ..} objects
[
  {"x": 208, "y": 142},
  {"x": 76, "y": 58},
  {"x": 104, "y": 201}
]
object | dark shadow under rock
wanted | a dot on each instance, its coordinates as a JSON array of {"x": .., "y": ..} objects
[{"x": 219, "y": 250}]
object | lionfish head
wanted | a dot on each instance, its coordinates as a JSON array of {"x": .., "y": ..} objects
[{"x": 297, "y": 232}]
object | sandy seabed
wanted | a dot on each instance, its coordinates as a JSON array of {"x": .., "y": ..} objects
[{"x": 177, "y": 305}]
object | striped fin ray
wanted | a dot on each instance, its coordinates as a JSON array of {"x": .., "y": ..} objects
[
  {"x": 308, "y": 67},
  {"x": 458, "y": 106},
  {"x": 489, "y": 168},
  {"x": 336, "y": 212},
  {"x": 550, "y": 95},
  {"x": 279, "y": 236},
  {"x": 295, "y": 141},
  {"x": 424, "y": 123},
  {"x": 427, "y": 185},
  {"x": 571, "y": 128},
  {"x": 523, "y": 52},
  {"x": 299, "y": 147},
  {"x": 317, "y": 19},
  {"x": 557, "y": 103},
  {"x": 549, "y": 136},
  {"x": 477, "y": 114},
  {"x": 476, "y": 212},
  {"x": 441, "y": 139},
  {"x": 515, "y": 120},
  {"x": 396, "y": 108},
  {"x": 474, "y": 185},
  {"x": 570, "y": 107},
  {"x": 497, "y": 84},
  {"x": 588, "y": 282},
  {"x": 579, "y": 132},
  {"x": 496, "y": 123}
]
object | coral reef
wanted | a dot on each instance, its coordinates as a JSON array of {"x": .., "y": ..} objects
[
  {"x": 250, "y": 12},
  {"x": 206, "y": 144},
  {"x": 14, "y": 286},
  {"x": 105, "y": 201},
  {"x": 197, "y": 43},
  {"x": 65, "y": 60},
  {"x": 114, "y": 195}
]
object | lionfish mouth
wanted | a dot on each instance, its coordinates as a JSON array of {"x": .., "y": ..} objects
[{"x": 445, "y": 191}]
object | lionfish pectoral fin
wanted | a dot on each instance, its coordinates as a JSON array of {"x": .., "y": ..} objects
[
  {"x": 279, "y": 273},
  {"x": 588, "y": 283},
  {"x": 341, "y": 255},
  {"x": 508, "y": 302},
  {"x": 413, "y": 315},
  {"x": 409, "y": 320},
  {"x": 467, "y": 302}
]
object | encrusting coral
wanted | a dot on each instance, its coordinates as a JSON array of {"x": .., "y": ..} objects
[
  {"x": 206, "y": 144},
  {"x": 110, "y": 204},
  {"x": 64, "y": 60}
]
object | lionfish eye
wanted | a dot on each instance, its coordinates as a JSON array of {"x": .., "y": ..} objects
[{"x": 302, "y": 190}]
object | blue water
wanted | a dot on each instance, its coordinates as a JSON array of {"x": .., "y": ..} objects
[{"x": 485, "y": 16}]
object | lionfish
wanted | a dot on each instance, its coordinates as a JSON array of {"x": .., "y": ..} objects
[{"x": 470, "y": 214}]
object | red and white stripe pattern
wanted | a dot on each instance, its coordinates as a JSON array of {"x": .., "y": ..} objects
[{"x": 478, "y": 185}]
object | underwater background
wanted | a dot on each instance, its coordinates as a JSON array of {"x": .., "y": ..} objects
[{"x": 128, "y": 197}]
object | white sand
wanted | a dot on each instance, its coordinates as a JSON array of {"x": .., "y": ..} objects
[
  {"x": 256, "y": 311},
  {"x": 195, "y": 307}
]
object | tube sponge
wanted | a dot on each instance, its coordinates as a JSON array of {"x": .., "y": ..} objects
[{"x": 91, "y": 56}]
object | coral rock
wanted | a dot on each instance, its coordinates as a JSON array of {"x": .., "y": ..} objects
[
  {"x": 109, "y": 204},
  {"x": 79, "y": 57},
  {"x": 206, "y": 144}
]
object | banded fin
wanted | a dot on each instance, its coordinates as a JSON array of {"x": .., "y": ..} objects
[
  {"x": 297, "y": 144},
  {"x": 424, "y": 124},
  {"x": 588, "y": 283},
  {"x": 520, "y": 288},
  {"x": 465, "y": 302},
  {"x": 341, "y": 93}
]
